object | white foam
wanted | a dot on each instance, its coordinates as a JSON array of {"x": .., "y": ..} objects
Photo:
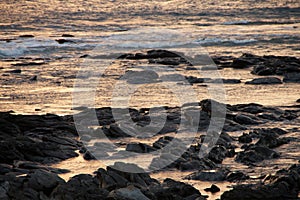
[
  {"x": 146, "y": 38},
  {"x": 216, "y": 40},
  {"x": 12, "y": 49}
]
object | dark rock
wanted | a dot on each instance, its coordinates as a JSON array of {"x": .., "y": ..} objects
[
  {"x": 211, "y": 175},
  {"x": 44, "y": 181},
  {"x": 245, "y": 119},
  {"x": 141, "y": 77},
  {"x": 26, "y": 36},
  {"x": 171, "y": 189},
  {"x": 256, "y": 154},
  {"x": 217, "y": 154},
  {"x": 33, "y": 63},
  {"x": 34, "y": 78},
  {"x": 298, "y": 101},
  {"x": 269, "y": 80},
  {"x": 271, "y": 141},
  {"x": 89, "y": 156},
  {"x": 283, "y": 185},
  {"x": 82, "y": 186},
  {"x": 67, "y": 35},
  {"x": 114, "y": 131},
  {"x": 292, "y": 78},
  {"x": 139, "y": 148},
  {"x": 263, "y": 70},
  {"x": 213, "y": 189},
  {"x": 62, "y": 41},
  {"x": 16, "y": 71},
  {"x": 194, "y": 80},
  {"x": 236, "y": 176},
  {"x": 224, "y": 81},
  {"x": 245, "y": 138},
  {"x": 240, "y": 63},
  {"x": 128, "y": 193}
]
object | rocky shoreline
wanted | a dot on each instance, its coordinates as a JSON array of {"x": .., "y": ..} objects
[
  {"x": 29, "y": 144},
  {"x": 254, "y": 136}
]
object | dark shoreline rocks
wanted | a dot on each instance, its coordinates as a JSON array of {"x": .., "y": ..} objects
[
  {"x": 32, "y": 142},
  {"x": 269, "y": 80}
]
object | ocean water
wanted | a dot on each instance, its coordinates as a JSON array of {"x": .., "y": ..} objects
[{"x": 217, "y": 27}]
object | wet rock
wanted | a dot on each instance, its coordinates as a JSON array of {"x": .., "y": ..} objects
[
  {"x": 67, "y": 35},
  {"x": 194, "y": 80},
  {"x": 241, "y": 63},
  {"x": 292, "y": 78},
  {"x": 213, "y": 189},
  {"x": 264, "y": 81},
  {"x": 89, "y": 156},
  {"x": 283, "y": 185},
  {"x": 139, "y": 148},
  {"x": 256, "y": 154},
  {"x": 236, "y": 176},
  {"x": 62, "y": 41},
  {"x": 81, "y": 186},
  {"x": 128, "y": 193},
  {"x": 26, "y": 36},
  {"x": 211, "y": 175},
  {"x": 217, "y": 154},
  {"x": 245, "y": 119},
  {"x": 263, "y": 70},
  {"x": 32, "y": 166},
  {"x": 245, "y": 138},
  {"x": 34, "y": 78},
  {"x": 44, "y": 181},
  {"x": 119, "y": 175},
  {"x": 16, "y": 71},
  {"x": 114, "y": 131},
  {"x": 223, "y": 81},
  {"x": 203, "y": 164},
  {"x": 271, "y": 141},
  {"x": 141, "y": 77},
  {"x": 171, "y": 189}
]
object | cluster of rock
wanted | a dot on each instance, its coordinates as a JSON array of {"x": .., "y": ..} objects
[
  {"x": 107, "y": 184},
  {"x": 286, "y": 66}
]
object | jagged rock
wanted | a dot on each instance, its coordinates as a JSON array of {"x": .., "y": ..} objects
[{"x": 256, "y": 154}]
